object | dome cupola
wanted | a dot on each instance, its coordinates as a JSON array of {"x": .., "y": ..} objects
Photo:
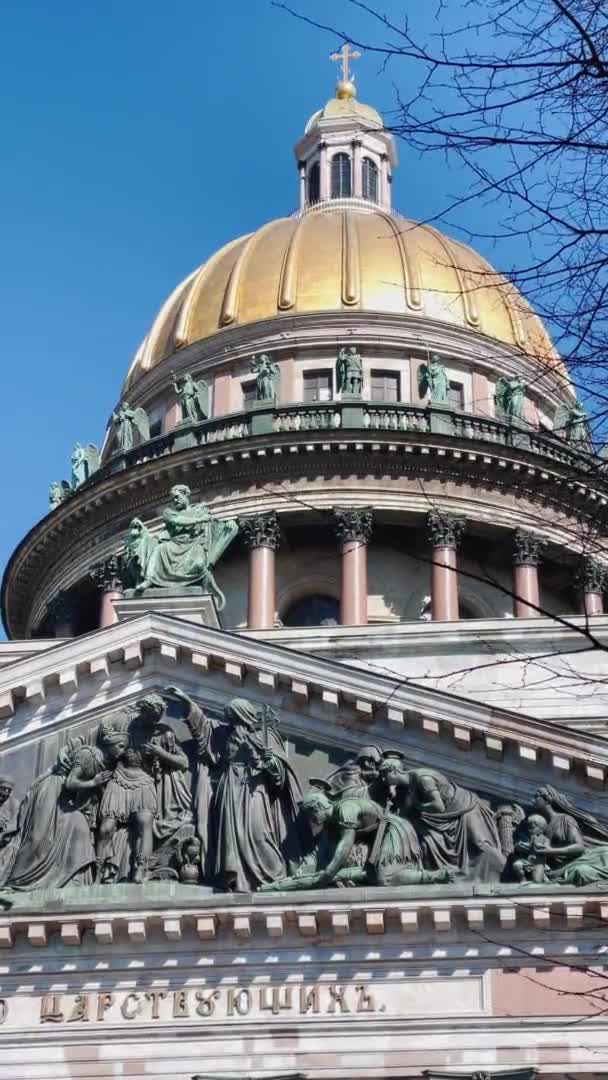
[{"x": 345, "y": 152}]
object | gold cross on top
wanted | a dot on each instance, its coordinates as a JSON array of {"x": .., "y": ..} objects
[{"x": 344, "y": 55}]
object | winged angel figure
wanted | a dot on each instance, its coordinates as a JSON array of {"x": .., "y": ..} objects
[
  {"x": 126, "y": 421},
  {"x": 509, "y": 397},
  {"x": 571, "y": 423},
  {"x": 433, "y": 380},
  {"x": 85, "y": 460},
  {"x": 193, "y": 398}
]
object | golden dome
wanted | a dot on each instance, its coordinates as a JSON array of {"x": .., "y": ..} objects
[
  {"x": 341, "y": 258},
  {"x": 346, "y": 107}
]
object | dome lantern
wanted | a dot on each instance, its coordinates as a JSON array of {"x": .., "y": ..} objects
[{"x": 345, "y": 152}]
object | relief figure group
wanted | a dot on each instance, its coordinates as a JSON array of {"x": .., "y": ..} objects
[{"x": 165, "y": 792}]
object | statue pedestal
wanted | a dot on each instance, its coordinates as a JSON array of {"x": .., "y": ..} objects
[
  {"x": 194, "y": 605},
  {"x": 440, "y": 418}
]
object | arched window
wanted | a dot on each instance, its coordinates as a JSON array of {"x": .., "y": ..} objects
[
  {"x": 369, "y": 179},
  {"x": 314, "y": 610},
  {"x": 314, "y": 186},
  {"x": 340, "y": 176}
]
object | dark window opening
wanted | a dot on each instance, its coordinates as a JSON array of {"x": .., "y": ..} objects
[
  {"x": 249, "y": 394},
  {"x": 315, "y": 610},
  {"x": 340, "y": 177},
  {"x": 156, "y": 427},
  {"x": 385, "y": 386},
  {"x": 314, "y": 183},
  {"x": 317, "y": 386},
  {"x": 456, "y": 395},
  {"x": 369, "y": 179}
]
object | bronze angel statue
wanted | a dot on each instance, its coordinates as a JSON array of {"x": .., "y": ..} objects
[
  {"x": 126, "y": 421},
  {"x": 85, "y": 461},
  {"x": 509, "y": 397},
  {"x": 59, "y": 491},
  {"x": 571, "y": 423},
  {"x": 267, "y": 378},
  {"x": 193, "y": 398},
  {"x": 433, "y": 380}
]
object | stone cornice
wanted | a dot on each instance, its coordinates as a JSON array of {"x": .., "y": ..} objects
[
  {"x": 324, "y": 695},
  {"x": 233, "y": 919}
]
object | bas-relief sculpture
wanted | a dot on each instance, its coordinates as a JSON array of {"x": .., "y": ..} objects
[
  {"x": 223, "y": 808},
  {"x": 349, "y": 372},
  {"x": 433, "y": 380},
  {"x": 182, "y": 555}
]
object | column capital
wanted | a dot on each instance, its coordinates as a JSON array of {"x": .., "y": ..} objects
[
  {"x": 60, "y": 610},
  {"x": 353, "y": 525},
  {"x": 528, "y": 548},
  {"x": 445, "y": 529},
  {"x": 261, "y": 530},
  {"x": 592, "y": 576},
  {"x": 109, "y": 575}
]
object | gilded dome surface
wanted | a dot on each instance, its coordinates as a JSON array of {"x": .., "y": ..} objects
[{"x": 341, "y": 258}]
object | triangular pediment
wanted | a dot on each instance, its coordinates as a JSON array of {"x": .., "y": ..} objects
[{"x": 326, "y": 710}]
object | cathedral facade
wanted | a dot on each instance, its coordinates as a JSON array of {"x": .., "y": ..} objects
[{"x": 303, "y": 704}]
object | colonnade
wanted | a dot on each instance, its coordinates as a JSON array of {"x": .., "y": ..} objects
[
  {"x": 353, "y": 529},
  {"x": 262, "y": 536}
]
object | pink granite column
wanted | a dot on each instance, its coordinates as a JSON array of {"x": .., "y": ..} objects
[
  {"x": 528, "y": 548},
  {"x": 445, "y": 531},
  {"x": 107, "y": 576},
  {"x": 592, "y": 582},
  {"x": 354, "y": 529},
  {"x": 262, "y": 535}
]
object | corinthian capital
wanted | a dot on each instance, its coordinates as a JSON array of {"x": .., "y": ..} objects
[
  {"x": 109, "y": 575},
  {"x": 445, "y": 530},
  {"x": 592, "y": 576},
  {"x": 353, "y": 524},
  {"x": 527, "y": 548},
  {"x": 261, "y": 530}
]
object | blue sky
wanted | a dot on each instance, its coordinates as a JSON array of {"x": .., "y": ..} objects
[{"x": 136, "y": 138}]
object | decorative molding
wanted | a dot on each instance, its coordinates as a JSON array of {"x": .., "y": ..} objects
[
  {"x": 528, "y": 548},
  {"x": 445, "y": 529},
  {"x": 353, "y": 525},
  {"x": 261, "y": 530},
  {"x": 217, "y": 917}
]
